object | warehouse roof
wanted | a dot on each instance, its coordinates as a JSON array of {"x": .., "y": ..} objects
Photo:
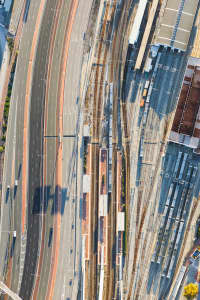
[
  {"x": 186, "y": 123},
  {"x": 176, "y": 23}
]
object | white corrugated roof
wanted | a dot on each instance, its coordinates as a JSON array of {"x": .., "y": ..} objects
[
  {"x": 103, "y": 205},
  {"x": 120, "y": 221},
  {"x": 137, "y": 22},
  {"x": 86, "y": 183}
]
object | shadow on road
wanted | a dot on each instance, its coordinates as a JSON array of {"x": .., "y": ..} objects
[{"x": 43, "y": 197}]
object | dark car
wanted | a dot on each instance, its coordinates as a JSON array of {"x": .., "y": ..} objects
[{"x": 50, "y": 236}]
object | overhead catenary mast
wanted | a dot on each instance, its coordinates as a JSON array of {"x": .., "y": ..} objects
[{"x": 8, "y": 291}]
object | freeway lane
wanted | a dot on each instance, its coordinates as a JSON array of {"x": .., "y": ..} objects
[
  {"x": 15, "y": 133},
  {"x": 49, "y": 172},
  {"x": 51, "y": 155},
  {"x": 35, "y": 150}
]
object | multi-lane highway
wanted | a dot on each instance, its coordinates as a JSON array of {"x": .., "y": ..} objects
[
  {"x": 41, "y": 201},
  {"x": 35, "y": 158},
  {"x": 14, "y": 150}
]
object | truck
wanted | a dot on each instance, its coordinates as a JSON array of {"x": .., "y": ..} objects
[
  {"x": 142, "y": 102},
  {"x": 144, "y": 92}
]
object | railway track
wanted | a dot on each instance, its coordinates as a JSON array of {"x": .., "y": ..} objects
[
  {"x": 96, "y": 122},
  {"x": 93, "y": 222},
  {"x": 115, "y": 74},
  {"x": 95, "y": 100}
]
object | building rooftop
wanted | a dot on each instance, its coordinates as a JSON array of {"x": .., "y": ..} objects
[
  {"x": 186, "y": 124},
  {"x": 176, "y": 24}
]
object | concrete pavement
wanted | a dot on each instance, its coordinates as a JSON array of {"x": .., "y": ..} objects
[{"x": 67, "y": 275}]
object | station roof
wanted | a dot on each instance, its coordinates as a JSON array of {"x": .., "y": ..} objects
[
  {"x": 86, "y": 183},
  {"x": 120, "y": 221},
  {"x": 176, "y": 23},
  {"x": 103, "y": 205}
]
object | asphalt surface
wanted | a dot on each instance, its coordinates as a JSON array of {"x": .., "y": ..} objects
[
  {"x": 35, "y": 178},
  {"x": 51, "y": 155},
  {"x": 164, "y": 88},
  {"x": 14, "y": 149}
]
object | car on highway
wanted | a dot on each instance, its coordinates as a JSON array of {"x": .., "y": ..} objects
[
  {"x": 7, "y": 193},
  {"x": 50, "y": 236}
]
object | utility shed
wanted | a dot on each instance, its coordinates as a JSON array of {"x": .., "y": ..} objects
[
  {"x": 120, "y": 221},
  {"x": 176, "y": 23},
  {"x": 86, "y": 183}
]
